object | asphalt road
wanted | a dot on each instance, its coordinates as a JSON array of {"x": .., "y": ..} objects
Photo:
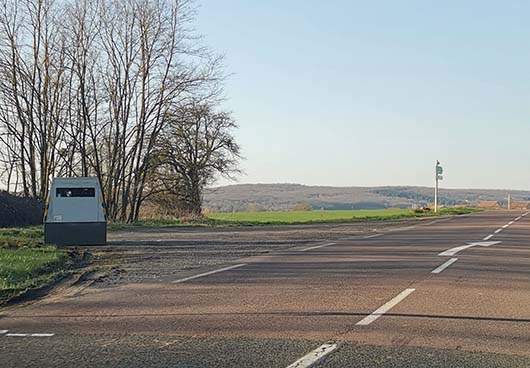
[{"x": 367, "y": 300}]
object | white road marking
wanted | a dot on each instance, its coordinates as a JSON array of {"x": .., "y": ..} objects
[
  {"x": 511, "y": 223},
  {"x": 498, "y": 231},
  {"x": 209, "y": 273},
  {"x": 30, "y": 334},
  {"x": 445, "y": 265},
  {"x": 406, "y": 228},
  {"x": 314, "y": 357},
  {"x": 506, "y": 226},
  {"x": 489, "y": 237},
  {"x": 385, "y": 308},
  {"x": 317, "y": 246},
  {"x": 518, "y": 218},
  {"x": 432, "y": 222},
  {"x": 3, "y": 332},
  {"x": 373, "y": 236},
  {"x": 453, "y": 251}
]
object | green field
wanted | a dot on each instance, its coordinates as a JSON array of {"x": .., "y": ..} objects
[
  {"x": 25, "y": 262},
  {"x": 303, "y": 217}
]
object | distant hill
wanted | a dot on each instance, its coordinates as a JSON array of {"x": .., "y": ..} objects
[{"x": 281, "y": 197}]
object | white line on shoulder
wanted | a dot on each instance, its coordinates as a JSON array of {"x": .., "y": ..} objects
[
  {"x": 317, "y": 246},
  {"x": 373, "y": 236},
  {"x": 209, "y": 273}
]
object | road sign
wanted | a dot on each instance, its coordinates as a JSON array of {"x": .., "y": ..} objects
[{"x": 439, "y": 170}]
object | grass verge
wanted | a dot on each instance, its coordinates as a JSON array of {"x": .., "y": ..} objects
[
  {"x": 26, "y": 262},
  {"x": 305, "y": 217},
  {"x": 294, "y": 217}
]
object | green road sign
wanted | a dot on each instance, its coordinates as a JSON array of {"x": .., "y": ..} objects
[{"x": 439, "y": 170}]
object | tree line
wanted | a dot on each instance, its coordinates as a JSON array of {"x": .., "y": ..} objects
[{"x": 124, "y": 90}]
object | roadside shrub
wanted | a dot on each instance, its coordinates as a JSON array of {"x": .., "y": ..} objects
[{"x": 18, "y": 211}]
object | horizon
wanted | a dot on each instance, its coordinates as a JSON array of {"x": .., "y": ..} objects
[{"x": 370, "y": 186}]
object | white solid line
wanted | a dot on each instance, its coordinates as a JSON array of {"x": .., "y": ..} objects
[
  {"x": 489, "y": 237},
  {"x": 498, "y": 231},
  {"x": 432, "y": 222},
  {"x": 317, "y": 246},
  {"x": 385, "y": 308},
  {"x": 445, "y": 265},
  {"x": 209, "y": 273},
  {"x": 453, "y": 251},
  {"x": 314, "y": 357},
  {"x": 373, "y": 236}
]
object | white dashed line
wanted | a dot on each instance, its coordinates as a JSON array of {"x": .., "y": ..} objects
[
  {"x": 314, "y": 357},
  {"x": 317, "y": 246},
  {"x": 373, "y": 236},
  {"x": 385, "y": 308},
  {"x": 489, "y": 237},
  {"x": 445, "y": 265},
  {"x": 30, "y": 335},
  {"x": 209, "y": 273},
  {"x": 498, "y": 231},
  {"x": 506, "y": 226}
]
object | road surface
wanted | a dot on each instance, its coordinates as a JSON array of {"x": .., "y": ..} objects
[{"x": 452, "y": 292}]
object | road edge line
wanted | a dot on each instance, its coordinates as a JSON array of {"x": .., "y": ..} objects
[{"x": 208, "y": 273}]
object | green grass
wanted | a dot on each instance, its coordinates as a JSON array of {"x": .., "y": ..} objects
[
  {"x": 22, "y": 237},
  {"x": 23, "y": 268},
  {"x": 304, "y": 217},
  {"x": 25, "y": 261},
  {"x": 292, "y": 217}
]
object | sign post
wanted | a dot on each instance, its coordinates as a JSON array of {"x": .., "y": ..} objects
[{"x": 438, "y": 174}]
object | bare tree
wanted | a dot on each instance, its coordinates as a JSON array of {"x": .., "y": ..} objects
[
  {"x": 89, "y": 87},
  {"x": 32, "y": 68},
  {"x": 198, "y": 146}
]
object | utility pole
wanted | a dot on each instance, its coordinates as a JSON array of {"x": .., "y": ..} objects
[
  {"x": 438, "y": 175},
  {"x": 509, "y": 201}
]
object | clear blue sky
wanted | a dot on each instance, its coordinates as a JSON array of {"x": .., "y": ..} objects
[{"x": 361, "y": 93}]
